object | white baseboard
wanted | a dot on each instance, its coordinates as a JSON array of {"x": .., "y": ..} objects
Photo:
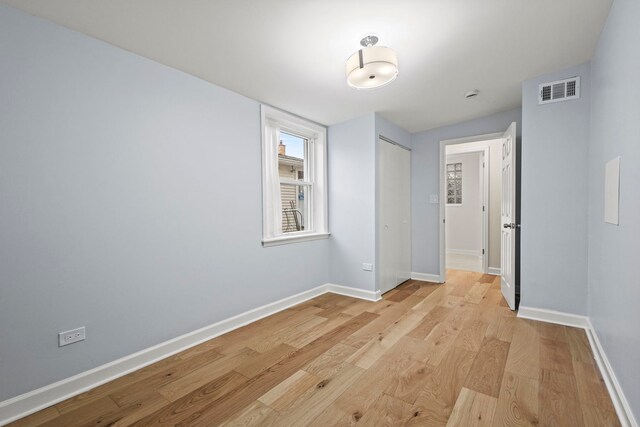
[
  {"x": 620, "y": 403},
  {"x": 427, "y": 277},
  {"x": 33, "y": 401},
  {"x": 552, "y": 316},
  {"x": 472, "y": 252},
  {"x": 494, "y": 271},
  {"x": 354, "y": 292}
]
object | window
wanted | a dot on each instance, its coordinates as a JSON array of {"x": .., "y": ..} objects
[
  {"x": 294, "y": 206},
  {"x": 454, "y": 183}
]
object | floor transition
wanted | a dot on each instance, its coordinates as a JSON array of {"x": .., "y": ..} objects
[
  {"x": 464, "y": 262},
  {"x": 427, "y": 355}
]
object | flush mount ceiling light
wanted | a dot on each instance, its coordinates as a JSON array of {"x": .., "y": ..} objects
[{"x": 373, "y": 66}]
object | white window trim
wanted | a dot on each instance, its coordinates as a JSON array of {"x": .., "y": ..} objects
[{"x": 317, "y": 135}]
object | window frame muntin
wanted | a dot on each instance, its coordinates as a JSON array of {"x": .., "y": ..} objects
[{"x": 316, "y": 136}]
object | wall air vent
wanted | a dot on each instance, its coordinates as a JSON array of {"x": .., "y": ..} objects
[{"x": 561, "y": 90}]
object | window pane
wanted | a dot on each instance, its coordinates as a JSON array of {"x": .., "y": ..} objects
[
  {"x": 451, "y": 167},
  {"x": 291, "y": 156},
  {"x": 459, "y": 200},
  {"x": 295, "y": 207},
  {"x": 451, "y": 175},
  {"x": 450, "y": 200},
  {"x": 458, "y": 166}
]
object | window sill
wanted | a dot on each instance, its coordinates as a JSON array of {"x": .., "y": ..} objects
[
  {"x": 285, "y": 240},
  {"x": 454, "y": 205}
]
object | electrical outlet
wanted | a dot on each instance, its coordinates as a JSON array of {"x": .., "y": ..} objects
[
  {"x": 367, "y": 266},
  {"x": 69, "y": 337}
]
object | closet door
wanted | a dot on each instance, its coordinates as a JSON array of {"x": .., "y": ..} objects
[{"x": 394, "y": 213}]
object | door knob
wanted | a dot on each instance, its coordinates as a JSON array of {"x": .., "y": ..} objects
[{"x": 506, "y": 225}]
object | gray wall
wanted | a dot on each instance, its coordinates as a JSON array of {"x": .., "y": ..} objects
[
  {"x": 352, "y": 201},
  {"x": 353, "y": 197},
  {"x": 614, "y": 272},
  {"x": 425, "y": 157},
  {"x": 130, "y": 203},
  {"x": 554, "y": 197}
]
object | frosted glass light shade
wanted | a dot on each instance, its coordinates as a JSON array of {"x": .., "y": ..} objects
[{"x": 371, "y": 67}]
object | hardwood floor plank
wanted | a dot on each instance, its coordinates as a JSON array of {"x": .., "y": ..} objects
[
  {"x": 558, "y": 399},
  {"x": 596, "y": 417},
  {"x": 472, "y": 409},
  {"x": 334, "y": 416},
  {"x": 472, "y": 334},
  {"x": 591, "y": 388},
  {"x": 257, "y": 414},
  {"x": 372, "y": 351},
  {"x": 284, "y": 394},
  {"x": 555, "y": 355},
  {"x": 408, "y": 383},
  {"x": 185, "y": 384},
  {"x": 502, "y": 328},
  {"x": 432, "y": 300},
  {"x": 97, "y": 409},
  {"x": 168, "y": 368},
  {"x": 579, "y": 345},
  {"x": 517, "y": 403},
  {"x": 357, "y": 399},
  {"x": 524, "y": 351},
  {"x": 328, "y": 362},
  {"x": 401, "y": 295},
  {"x": 430, "y": 321},
  {"x": 488, "y": 367},
  {"x": 303, "y": 338},
  {"x": 387, "y": 411},
  {"x": 314, "y": 401},
  {"x": 443, "y": 385},
  {"x": 190, "y": 407},
  {"x": 477, "y": 292},
  {"x": 440, "y": 340},
  {"x": 253, "y": 365},
  {"x": 552, "y": 331},
  {"x": 137, "y": 411}
]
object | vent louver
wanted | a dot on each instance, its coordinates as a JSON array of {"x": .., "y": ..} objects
[{"x": 561, "y": 90}]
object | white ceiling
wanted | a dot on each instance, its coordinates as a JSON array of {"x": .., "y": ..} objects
[{"x": 292, "y": 53}]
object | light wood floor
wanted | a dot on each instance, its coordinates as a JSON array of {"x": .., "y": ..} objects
[{"x": 428, "y": 355}]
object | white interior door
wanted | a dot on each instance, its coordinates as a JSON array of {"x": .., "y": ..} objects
[
  {"x": 394, "y": 210},
  {"x": 508, "y": 214}
]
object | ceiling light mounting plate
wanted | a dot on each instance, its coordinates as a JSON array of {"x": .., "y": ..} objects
[{"x": 369, "y": 41}]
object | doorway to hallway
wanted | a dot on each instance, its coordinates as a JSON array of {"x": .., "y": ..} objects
[{"x": 479, "y": 225}]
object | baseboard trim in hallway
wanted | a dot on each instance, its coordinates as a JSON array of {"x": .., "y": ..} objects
[
  {"x": 33, "y": 401},
  {"x": 623, "y": 409}
]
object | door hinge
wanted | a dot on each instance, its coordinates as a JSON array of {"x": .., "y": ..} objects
[
  {"x": 482, "y": 164},
  {"x": 444, "y": 220},
  {"x": 483, "y": 252},
  {"x": 483, "y": 209}
]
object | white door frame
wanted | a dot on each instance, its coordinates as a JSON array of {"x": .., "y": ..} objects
[{"x": 442, "y": 198}]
